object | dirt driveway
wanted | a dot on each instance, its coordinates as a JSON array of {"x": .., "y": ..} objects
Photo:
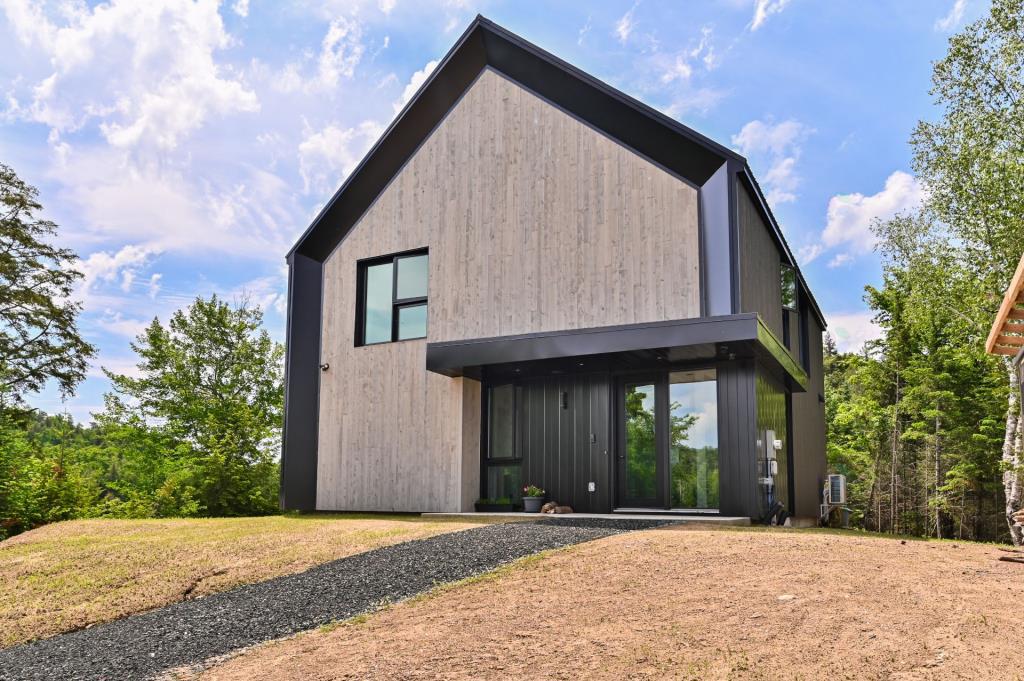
[{"x": 691, "y": 604}]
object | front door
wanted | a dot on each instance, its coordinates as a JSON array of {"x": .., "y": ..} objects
[{"x": 640, "y": 456}]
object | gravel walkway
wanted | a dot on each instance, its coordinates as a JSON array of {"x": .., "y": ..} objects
[{"x": 189, "y": 632}]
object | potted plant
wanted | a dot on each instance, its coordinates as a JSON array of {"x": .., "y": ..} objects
[
  {"x": 499, "y": 505},
  {"x": 533, "y": 499}
]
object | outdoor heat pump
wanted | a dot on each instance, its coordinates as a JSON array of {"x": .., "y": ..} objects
[{"x": 836, "y": 489}]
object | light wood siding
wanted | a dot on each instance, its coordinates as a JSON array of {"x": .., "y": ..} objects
[
  {"x": 534, "y": 222},
  {"x": 760, "y": 283}
]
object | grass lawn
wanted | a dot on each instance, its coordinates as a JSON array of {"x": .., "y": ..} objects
[
  {"x": 687, "y": 603},
  {"x": 69, "y": 575}
]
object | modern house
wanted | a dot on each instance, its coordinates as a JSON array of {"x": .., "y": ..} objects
[
  {"x": 1007, "y": 334},
  {"x": 534, "y": 278}
]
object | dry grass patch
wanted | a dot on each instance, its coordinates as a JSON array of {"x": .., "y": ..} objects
[
  {"x": 69, "y": 575},
  {"x": 695, "y": 604}
]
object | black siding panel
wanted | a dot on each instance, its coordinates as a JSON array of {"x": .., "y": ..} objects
[
  {"x": 558, "y": 454},
  {"x": 809, "y": 430},
  {"x": 760, "y": 283},
  {"x": 302, "y": 385},
  {"x": 737, "y": 440}
]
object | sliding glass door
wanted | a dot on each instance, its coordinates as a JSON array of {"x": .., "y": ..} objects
[
  {"x": 668, "y": 441},
  {"x": 693, "y": 439}
]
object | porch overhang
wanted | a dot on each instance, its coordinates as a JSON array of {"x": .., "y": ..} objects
[{"x": 711, "y": 338}]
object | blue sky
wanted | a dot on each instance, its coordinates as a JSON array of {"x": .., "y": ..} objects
[{"x": 183, "y": 146}]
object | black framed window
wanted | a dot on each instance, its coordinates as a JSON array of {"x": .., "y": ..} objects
[
  {"x": 501, "y": 421},
  {"x": 502, "y": 474},
  {"x": 392, "y": 298},
  {"x": 787, "y": 277}
]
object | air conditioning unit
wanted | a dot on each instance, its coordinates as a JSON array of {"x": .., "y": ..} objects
[{"x": 836, "y": 489}]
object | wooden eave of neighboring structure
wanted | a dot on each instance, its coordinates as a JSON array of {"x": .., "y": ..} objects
[{"x": 1007, "y": 334}]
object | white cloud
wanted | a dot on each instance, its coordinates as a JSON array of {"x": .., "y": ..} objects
[
  {"x": 705, "y": 50},
  {"x": 584, "y": 31},
  {"x": 270, "y": 293},
  {"x": 340, "y": 51},
  {"x": 144, "y": 72},
  {"x": 778, "y": 146},
  {"x": 113, "y": 321},
  {"x": 852, "y": 329},
  {"x": 839, "y": 260},
  {"x": 125, "y": 366},
  {"x": 678, "y": 69},
  {"x": 104, "y": 267},
  {"x": 682, "y": 70},
  {"x": 241, "y": 8},
  {"x": 328, "y": 155},
  {"x": 418, "y": 78},
  {"x": 701, "y": 99},
  {"x": 154, "y": 285},
  {"x": 850, "y": 216},
  {"x": 764, "y": 9},
  {"x": 386, "y": 5},
  {"x": 952, "y": 19},
  {"x": 625, "y": 25},
  {"x": 809, "y": 252}
]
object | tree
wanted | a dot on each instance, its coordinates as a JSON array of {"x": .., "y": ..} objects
[
  {"x": 39, "y": 338},
  {"x": 915, "y": 421},
  {"x": 211, "y": 383},
  {"x": 972, "y": 160}
]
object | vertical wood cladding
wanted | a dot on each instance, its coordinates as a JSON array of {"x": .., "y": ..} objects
[
  {"x": 534, "y": 222},
  {"x": 809, "y": 429}
]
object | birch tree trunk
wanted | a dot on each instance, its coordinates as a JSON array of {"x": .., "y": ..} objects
[
  {"x": 938, "y": 473},
  {"x": 1012, "y": 445}
]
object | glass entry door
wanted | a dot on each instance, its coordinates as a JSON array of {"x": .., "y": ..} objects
[
  {"x": 693, "y": 440},
  {"x": 641, "y": 466},
  {"x": 668, "y": 441}
]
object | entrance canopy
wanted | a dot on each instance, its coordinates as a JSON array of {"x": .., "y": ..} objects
[{"x": 725, "y": 337}]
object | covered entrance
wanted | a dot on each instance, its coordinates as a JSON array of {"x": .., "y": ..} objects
[{"x": 687, "y": 416}]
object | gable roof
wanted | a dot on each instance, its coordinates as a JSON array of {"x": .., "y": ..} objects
[
  {"x": 648, "y": 132},
  {"x": 1007, "y": 334}
]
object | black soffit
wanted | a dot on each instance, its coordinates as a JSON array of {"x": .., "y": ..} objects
[{"x": 465, "y": 357}]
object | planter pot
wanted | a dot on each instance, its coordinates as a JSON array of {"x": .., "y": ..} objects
[
  {"x": 493, "y": 508},
  {"x": 532, "y": 504}
]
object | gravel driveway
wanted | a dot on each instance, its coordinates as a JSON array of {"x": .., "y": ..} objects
[{"x": 189, "y": 632}]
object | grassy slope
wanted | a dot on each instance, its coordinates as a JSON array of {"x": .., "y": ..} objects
[{"x": 69, "y": 575}]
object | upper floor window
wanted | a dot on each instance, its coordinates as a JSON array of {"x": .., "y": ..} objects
[
  {"x": 392, "y": 295},
  {"x": 788, "y": 277}
]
